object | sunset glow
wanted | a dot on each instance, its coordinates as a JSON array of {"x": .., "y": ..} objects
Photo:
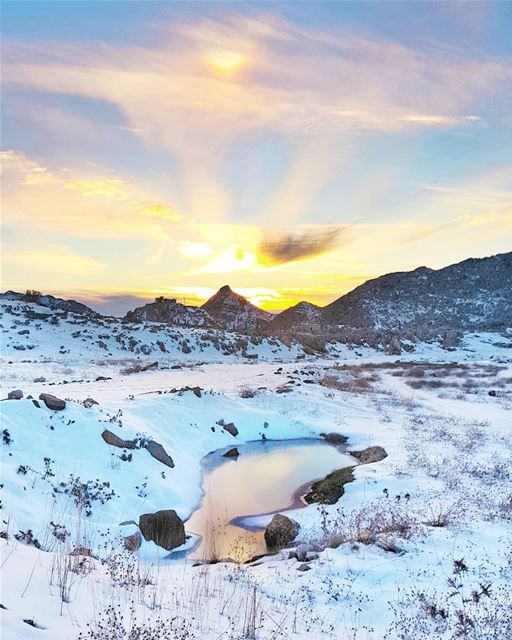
[{"x": 250, "y": 145}]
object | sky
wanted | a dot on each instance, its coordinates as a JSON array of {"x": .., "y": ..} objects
[{"x": 291, "y": 150}]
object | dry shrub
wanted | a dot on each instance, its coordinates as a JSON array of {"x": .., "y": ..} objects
[
  {"x": 377, "y": 524},
  {"x": 247, "y": 392}
]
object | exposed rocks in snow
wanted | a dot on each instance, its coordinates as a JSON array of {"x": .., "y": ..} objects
[
  {"x": 155, "y": 449},
  {"x": 230, "y": 428},
  {"x": 231, "y": 453},
  {"x": 165, "y": 528},
  {"x": 369, "y": 455},
  {"x": 89, "y": 402},
  {"x": 331, "y": 488},
  {"x": 334, "y": 438},
  {"x": 116, "y": 441},
  {"x": 280, "y": 531},
  {"x": 158, "y": 452},
  {"x": 52, "y": 402},
  {"x": 17, "y": 394}
]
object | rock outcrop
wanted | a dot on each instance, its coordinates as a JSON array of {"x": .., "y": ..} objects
[
  {"x": 165, "y": 528},
  {"x": 281, "y": 531},
  {"x": 52, "y": 402},
  {"x": 370, "y": 454}
]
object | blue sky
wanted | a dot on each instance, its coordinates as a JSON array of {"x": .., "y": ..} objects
[{"x": 291, "y": 149}]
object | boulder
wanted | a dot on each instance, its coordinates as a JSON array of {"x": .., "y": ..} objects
[
  {"x": 52, "y": 402},
  {"x": 165, "y": 528},
  {"x": 334, "y": 438},
  {"x": 280, "y": 531},
  {"x": 304, "y": 567},
  {"x": 369, "y": 455},
  {"x": 159, "y": 453},
  {"x": 17, "y": 394},
  {"x": 230, "y": 428},
  {"x": 133, "y": 542},
  {"x": 40, "y": 379},
  {"x": 116, "y": 441},
  {"x": 231, "y": 453},
  {"x": 89, "y": 402}
]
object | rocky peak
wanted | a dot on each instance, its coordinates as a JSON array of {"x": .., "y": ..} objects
[{"x": 234, "y": 312}]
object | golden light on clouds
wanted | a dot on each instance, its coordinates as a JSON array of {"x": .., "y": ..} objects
[{"x": 227, "y": 61}]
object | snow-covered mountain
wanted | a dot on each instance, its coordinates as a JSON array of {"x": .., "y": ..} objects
[
  {"x": 303, "y": 313},
  {"x": 233, "y": 312},
  {"x": 475, "y": 294},
  {"x": 169, "y": 311},
  {"x": 50, "y": 302}
]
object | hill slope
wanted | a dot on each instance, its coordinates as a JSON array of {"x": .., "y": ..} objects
[
  {"x": 171, "y": 312},
  {"x": 475, "y": 294}
]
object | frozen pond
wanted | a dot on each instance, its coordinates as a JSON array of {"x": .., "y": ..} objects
[{"x": 268, "y": 477}]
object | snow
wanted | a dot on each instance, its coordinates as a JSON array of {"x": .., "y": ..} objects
[{"x": 448, "y": 458}]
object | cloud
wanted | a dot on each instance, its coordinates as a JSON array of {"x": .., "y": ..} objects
[
  {"x": 283, "y": 247},
  {"x": 90, "y": 206},
  {"x": 54, "y": 259},
  {"x": 232, "y": 74}
]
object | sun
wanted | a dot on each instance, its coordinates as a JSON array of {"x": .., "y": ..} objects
[{"x": 227, "y": 61}]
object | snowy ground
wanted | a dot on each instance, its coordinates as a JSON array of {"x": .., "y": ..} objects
[{"x": 418, "y": 547}]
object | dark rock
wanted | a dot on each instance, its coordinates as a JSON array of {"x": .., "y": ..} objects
[
  {"x": 52, "y": 402},
  {"x": 281, "y": 531},
  {"x": 159, "y": 453},
  {"x": 232, "y": 453},
  {"x": 304, "y": 567},
  {"x": 133, "y": 542},
  {"x": 230, "y": 428},
  {"x": 116, "y": 441},
  {"x": 89, "y": 402},
  {"x": 17, "y": 394},
  {"x": 492, "y": 393},
  {"x": 331, "y": 488},
  {"x": 36, "y": 404},
  {"x": 41, "y": 379},
  {"x": 369, "y": 455},
  {"x": 165, "y": 528},
  {"x": 334, "y": 438}
]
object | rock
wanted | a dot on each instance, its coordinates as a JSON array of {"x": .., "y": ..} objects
[
  {"x": 232, "y": 453},
  {"x": 133, "y": 542},
  {"x": 281, "y": 531},
  {"x": 331, "y": 488},
  {"x": 17, "y": 394},
  {"x": 165, "y": 528},
  {"x": 334, "y": 438},
  {"x": 304, "y": 567},
  {"x": 52, "y": 402},
  {"x": 196, "y": 391},
  {"x": 369, "y": 455},
  {"x": 311, "y": 555},
  {"x": 492, "y": 393},
  {"x": 116, "y": 441},
  {"x": 230, "y": 428},
  {"x": 89, "y": 402},
  {"x": 41, "y": 379},
  {"x": 159, "y": 453},
  {"x": 36, "y": 404}
]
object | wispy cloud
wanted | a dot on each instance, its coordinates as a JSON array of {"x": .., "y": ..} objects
[{"x": 290, "y": 246}]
